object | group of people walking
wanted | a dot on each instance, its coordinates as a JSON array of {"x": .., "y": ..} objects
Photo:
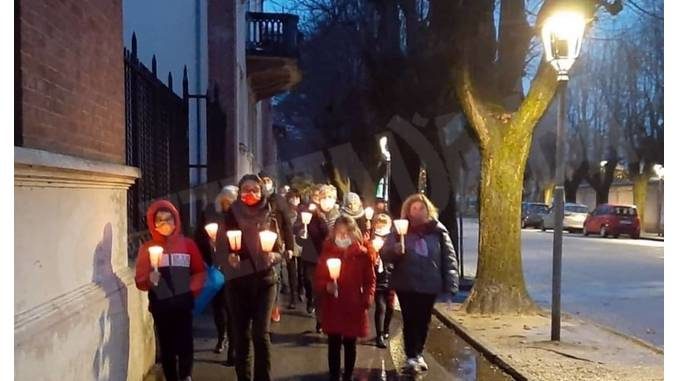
[{"x": 342, "y": 257}]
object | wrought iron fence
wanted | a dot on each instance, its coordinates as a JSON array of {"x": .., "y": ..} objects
[{"x": 156, "y": 126}]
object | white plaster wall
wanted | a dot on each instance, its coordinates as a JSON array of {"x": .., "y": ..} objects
[{"x": 78, "y": 314}]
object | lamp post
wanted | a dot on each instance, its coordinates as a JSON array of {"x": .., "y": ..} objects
[
  {"x": 383, "y": 142},
  {"x": 562, "y": 35},
  {"x": 659, "y": 171}
]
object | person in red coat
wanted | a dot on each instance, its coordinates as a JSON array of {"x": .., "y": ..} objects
[
  {"x": 344, "y": 303},
  {"x": 171, "y": 289}
]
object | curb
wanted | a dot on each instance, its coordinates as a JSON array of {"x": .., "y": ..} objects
[{"x": 480, "y": 346}]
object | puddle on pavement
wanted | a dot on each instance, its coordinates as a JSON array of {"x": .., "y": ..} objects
[{"x": 458, "y": 358}]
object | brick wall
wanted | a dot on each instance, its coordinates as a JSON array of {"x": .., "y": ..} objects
[{"x": 72, "y": 89}]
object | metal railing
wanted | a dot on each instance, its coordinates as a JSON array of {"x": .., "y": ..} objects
[{"x": 272, "y": 34}]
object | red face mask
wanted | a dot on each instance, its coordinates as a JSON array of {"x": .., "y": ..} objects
[{"x": 249, "y": 199}]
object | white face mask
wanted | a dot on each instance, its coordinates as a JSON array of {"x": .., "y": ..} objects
[
  {"x": 268, "y": 188},
  {"x": 327, "y": 203},
  {"x": 342, "y": 243},
  {"x": 294, "y": 201}
]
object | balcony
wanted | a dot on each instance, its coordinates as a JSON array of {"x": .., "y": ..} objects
[{"x": 272, "y": 49}]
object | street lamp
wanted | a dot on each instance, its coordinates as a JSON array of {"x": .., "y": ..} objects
[
  {"x": 383, "y": 144},
  {"x": 562, "y": 35},
  {"x": 659, "y": 171}
]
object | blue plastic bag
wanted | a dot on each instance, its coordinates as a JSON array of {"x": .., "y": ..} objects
[{"x": 214, "y": 282}]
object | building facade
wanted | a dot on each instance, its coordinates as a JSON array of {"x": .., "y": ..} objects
[{"x": 77, "y": 312}]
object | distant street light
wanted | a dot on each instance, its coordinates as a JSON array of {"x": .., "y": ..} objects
[
  {"x": 562, "y": 35},
  {"x": 659, "y": 171},
  {"x": 383, "y": 144}
]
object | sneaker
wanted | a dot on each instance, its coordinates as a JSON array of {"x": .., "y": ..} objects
[
  {"x": 275, "y": 315},
  {"x": 422, "y": 364},
  {"x": 380, "y": 341},
  {"x": 411, "y": 365},
  {"x": 386, "y": 335},
  {"x": 292, "y": 306},
  {"x": 220, "y": 345}
]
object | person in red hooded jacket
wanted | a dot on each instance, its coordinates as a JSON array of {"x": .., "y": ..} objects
[
  {"x": 344, "y": 303},
  {"x": 171, "y": 289}
]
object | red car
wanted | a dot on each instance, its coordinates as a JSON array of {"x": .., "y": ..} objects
[{"x": 613, "y": 220}]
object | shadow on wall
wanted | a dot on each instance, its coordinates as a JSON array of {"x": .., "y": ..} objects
[{"x": 111, "y": 358}]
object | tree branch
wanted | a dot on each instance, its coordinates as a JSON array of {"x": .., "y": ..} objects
[
  {"x": 474, "y": 109},
  {"x": 537, "y": 101}
]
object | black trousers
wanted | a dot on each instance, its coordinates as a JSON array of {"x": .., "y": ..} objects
[
  {"x": 291, "y": 265},
  {"x": 416, "y": 309},
  {"x": 251, "y": 300},
  {"x": 334, "y": 356},
  {"x": 309, "y": 276},
  {"x": 223, "y": 320},
  {"x": 175, "y": 338},
  {"x": 384, "y": 300},
  {"x": 300, "y": 277}
]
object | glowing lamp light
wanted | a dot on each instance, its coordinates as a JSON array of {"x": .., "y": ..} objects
[
  {"x": 234, "y": 239},
  {"x": 658, "y": 170},
  {"x": 562, "y": 35},
  {"x": 377, "y": 243},
  {"x": 401, "y": 226},
  {"x": 312, "y": 207},
  {"x": 154, "y": 253},
  {"x": 211, "y": 230},
  {"x": 267, "y": 239}
]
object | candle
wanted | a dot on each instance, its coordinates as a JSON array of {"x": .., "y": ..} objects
[
  {"x": 155, "y": 252},
  {"x": 267, "y": 239},
  {"x": 369, "y": 213},
  {"x": 234, "y": 239},
  {"x": 211, "y": 230},
  {"x": 377, "y": 243},
  {"x": 334, "y": 267},
  {"x": 401, "y": 227},
  {"x": 306, "y": 217}
]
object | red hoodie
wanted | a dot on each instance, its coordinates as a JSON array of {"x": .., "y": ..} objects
[
  {"x": 346, "y": 315},
  {"x": 182, "y": 272}
]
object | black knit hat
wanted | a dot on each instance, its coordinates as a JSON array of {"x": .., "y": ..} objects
[{"x": 251, "y": 177}]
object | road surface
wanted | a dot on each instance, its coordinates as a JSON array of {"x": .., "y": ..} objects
[{"x": 614, "y": 282}]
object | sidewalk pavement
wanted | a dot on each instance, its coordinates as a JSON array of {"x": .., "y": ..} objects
[{"x": 521, "y": 346}]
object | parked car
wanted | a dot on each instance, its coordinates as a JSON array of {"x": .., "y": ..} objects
[
  {"x": 573, "y": 220},
  {"x": 532, "y": 214},
  {"x": 613, "y": 220}
]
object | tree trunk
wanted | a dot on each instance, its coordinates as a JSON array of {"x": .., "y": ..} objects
[
  {"x": 500, "y": 286},
  {"x": 572, "y": 183},
  {"x": 602, "y": 194},
  {"x": 640, "y": 197}
]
